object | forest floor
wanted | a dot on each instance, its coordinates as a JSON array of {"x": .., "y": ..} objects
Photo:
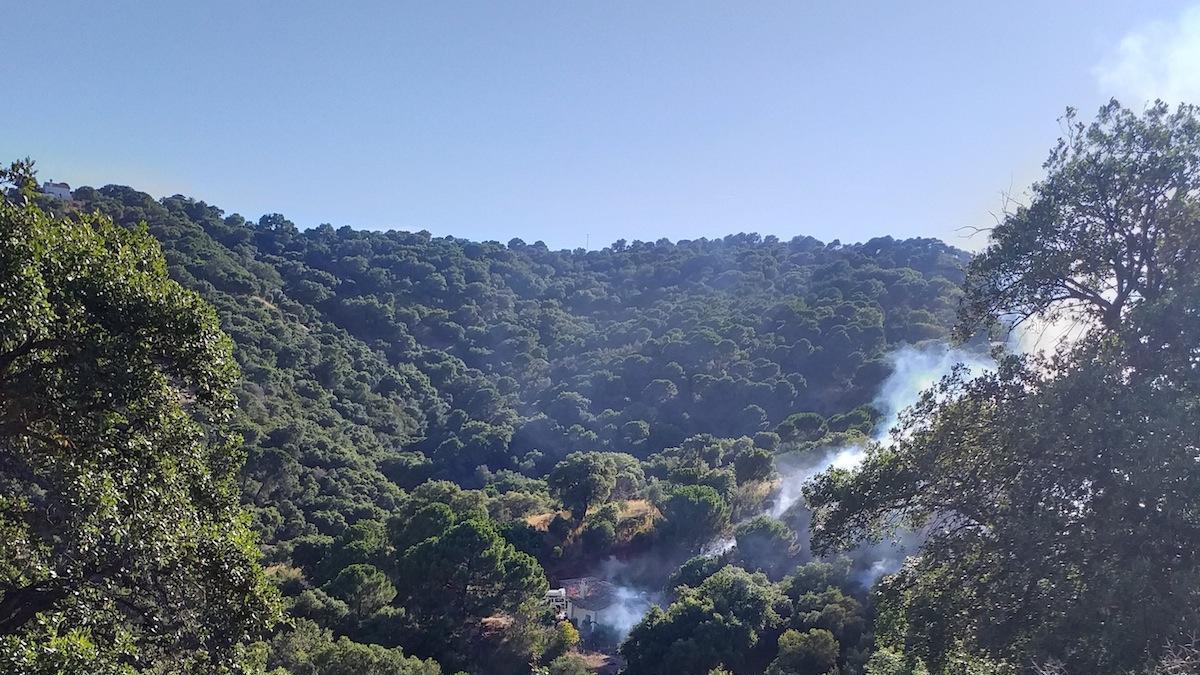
[{"x": 604, "y": 664}]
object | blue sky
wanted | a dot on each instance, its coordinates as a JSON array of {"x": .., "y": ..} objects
[{"x": 577, "y": 121}]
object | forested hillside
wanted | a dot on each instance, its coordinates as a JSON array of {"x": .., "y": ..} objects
[
  {"x": 428, "y": 423},
  {"x": 241, "y": 447},
  {"x": 374, "y": 360}
]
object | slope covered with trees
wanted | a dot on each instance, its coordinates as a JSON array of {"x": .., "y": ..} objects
[
  {"x": 415, "y": 411},
  {"x": 123, "y": 544},
  {"x": 373, "y": 361},
  {"x": 424, "y": 432}
]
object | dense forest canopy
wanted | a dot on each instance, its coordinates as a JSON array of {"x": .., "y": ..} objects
[
  {"x": 407, "y": 401},
  {"x": 426, "y": 434},
  {"x": 377, "y": 360}
]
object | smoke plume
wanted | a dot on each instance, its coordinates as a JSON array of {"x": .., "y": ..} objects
[{"x": 914, "y": 369}]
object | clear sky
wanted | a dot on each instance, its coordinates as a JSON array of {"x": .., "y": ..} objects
[{"x": 564, "y": 121}]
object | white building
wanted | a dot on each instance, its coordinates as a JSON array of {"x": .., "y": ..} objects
[
  {"x": 583, "y": 601},
  {"x": 60, "y": 190},
  {"x": 557, "y": 599}
]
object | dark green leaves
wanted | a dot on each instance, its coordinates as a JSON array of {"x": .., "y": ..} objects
[{"x": 117, "y": 464}]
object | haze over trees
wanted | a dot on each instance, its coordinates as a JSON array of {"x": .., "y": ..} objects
[
  {"x": 1061, "y": 492},
  {"x": 234, "y": 446},
  {"x": 407, "y": 406}
]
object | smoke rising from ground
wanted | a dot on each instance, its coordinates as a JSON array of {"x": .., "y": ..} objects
[
  {"x": 914, "y": 369},
  {"x": 631, "y": 600},
  {"x": 796, "y": 474},
  {"x": 631, "y": 605}
]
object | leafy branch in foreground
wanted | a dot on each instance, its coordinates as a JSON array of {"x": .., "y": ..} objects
[
  {"x": 1060, "y": 495},
  {"x": 119, "y": 513}
]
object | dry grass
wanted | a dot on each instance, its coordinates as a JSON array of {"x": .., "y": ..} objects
[
  {"x": 598, "y": 662},
  {"x": 496, "y": 623},
  {"x": 750, "y": 497},
  {"x": 280, "y": 573},
  {"x": 637, "y": 508},
  {"x": 541, "y": 521},
  {"x": 633, "y": 515}
]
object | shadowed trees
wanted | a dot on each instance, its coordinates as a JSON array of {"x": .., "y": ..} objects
[{"x": 583, "y": 479}]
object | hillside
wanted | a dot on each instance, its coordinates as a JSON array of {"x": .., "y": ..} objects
[
  {"x": 436, "y": 431},
  {"x": 375, "y": 360}
]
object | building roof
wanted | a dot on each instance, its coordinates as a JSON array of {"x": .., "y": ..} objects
[{"x": 590, "y": 593}]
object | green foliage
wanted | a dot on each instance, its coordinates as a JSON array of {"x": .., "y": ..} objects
[
  {"x": 383, "y": 372},
  {"x": 468, "y": 572},
  {"x": 319, "y": 606},
  {"x": 860, "y": 419},
  {"x": 694, "y": 514},
  {"x": 817, "y": 575},
  {"x": 568, "y": 664},
  {"x": 564, "y": 639},
  {"x": 363, "y": 588},
  {"x": 350, "y": 658},
  {"x": 752, "y": 465},
  {"x": 373, "y": 361},
  {"x": 767, "y": 545},
  {"x": 804, "y": 426},
  {"x": 442, "y": 536},
  {"x": 1055, "y": 490},
  {"x": 831, "y": 610},
  {"x": 887, "y": 661},
  {"x": 1110, "y": 227},
  {"x": 630, "y": 477},
  {"x": 695, "y": 571},
  {"x": 53, "y": 648},
  {"x": 598, "y": 537},
  {"x": 800, "y": 653},
  {"x": 767, "y": 440},
  {"x": 308, "y": 649},
  {"x": 720, "y": 463},
  {"x": 405, "y": 402},
  {"x": 719, "y": 622},
  {"x": 582, "y": 479},
  {"x": 118, "y": 500}
]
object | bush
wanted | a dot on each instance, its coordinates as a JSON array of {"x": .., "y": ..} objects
[{"x": 569, "y": 664}]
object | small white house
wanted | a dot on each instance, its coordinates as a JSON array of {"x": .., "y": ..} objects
[
  {"x": 59, "y": 190},
  {"x": 583, "y": 601}
]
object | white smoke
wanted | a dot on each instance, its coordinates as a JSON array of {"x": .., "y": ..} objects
[
  {"x": 1159, "y": 59},
  {"x": 878, "y": 568},
  {"x": 718, "y": 546},
  {"x": 630, "y": 606},
  {"x": 914, "y": 369},
  {"x": 1045, "y": 336},
  {"x": 792, "y": 480},
  {"x": 631, "y": 602}
]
